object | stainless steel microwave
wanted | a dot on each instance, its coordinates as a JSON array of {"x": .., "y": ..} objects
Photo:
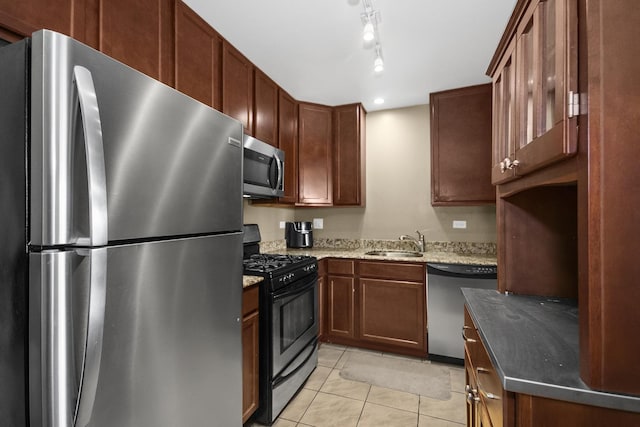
[{"x": 263, "y": 169}]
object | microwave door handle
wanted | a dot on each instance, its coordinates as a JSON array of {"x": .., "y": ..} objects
[
  {"x": 280, "y": 177},
  {"x": 94, "y": 152}
]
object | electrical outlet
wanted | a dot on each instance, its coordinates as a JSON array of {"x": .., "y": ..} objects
[
  {"x": 281, "y": 224},
  {"x": 318, "y": 223},
  {"x": 459, "y": 224}
]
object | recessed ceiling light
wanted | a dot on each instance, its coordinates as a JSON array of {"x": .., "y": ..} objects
[{"x": 378, "y": 101}]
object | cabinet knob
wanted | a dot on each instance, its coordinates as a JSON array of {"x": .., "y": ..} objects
[
  {"x": 513, "y": 164},
  {"x": 505, "y": 164}
]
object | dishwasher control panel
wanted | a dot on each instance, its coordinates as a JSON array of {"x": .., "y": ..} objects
[{"x": 463, "y": 270}]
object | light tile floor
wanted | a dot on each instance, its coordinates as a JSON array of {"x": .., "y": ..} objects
[{"x": 328, "y": 400}]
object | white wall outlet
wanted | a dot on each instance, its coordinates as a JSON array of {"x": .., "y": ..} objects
[
  {"x": 459, "y": 224},
  {"x": 281, "y": 224},
  {"x": 318, "y": 223}
]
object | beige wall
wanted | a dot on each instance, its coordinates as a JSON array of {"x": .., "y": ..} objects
[{"x": 398, "y": 191}]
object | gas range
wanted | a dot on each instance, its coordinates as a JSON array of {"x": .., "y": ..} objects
[{"x": 289, "y": 322}]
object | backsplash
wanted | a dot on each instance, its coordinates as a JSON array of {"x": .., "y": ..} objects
[{"x": 472, "y": 248}]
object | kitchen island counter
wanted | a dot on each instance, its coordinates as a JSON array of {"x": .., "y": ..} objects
[{"x": 533, "y": 344}]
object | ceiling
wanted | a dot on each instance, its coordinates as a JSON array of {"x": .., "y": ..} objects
[{"x": 314, "y": 49}]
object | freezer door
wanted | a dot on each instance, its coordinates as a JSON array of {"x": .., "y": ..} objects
[
  {"x": 118, "y": 156},
  {"x": 137, "y": 335}
]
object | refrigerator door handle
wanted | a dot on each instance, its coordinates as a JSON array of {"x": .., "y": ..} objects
[
  {"x": 94, "y": 151},
  {"x": 95, "y": 330}
]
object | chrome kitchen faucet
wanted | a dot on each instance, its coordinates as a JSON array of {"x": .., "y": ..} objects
[{"x": 420, "y": 243}]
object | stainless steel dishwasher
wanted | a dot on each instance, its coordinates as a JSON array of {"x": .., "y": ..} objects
[{"x": 445, "y": 305}]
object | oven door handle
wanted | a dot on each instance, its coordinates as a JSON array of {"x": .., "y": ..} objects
[
  {"x": 300, "y": 289},
  {"x": 292, "y": 370}
]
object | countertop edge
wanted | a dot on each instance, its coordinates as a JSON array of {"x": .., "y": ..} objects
[
  {"x": 248, "y": 281},
  {"x": 428, "y": 257}
]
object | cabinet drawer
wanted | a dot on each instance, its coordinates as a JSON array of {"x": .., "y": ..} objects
[
  {"x": 250, "y": 299},
  {"x": 470, "y": 337},
  {"x": 490, "y": 390},
  {"x": 392, "y": 271},
  {"x": 489, "y": 386},
  {"x": 341, "y": 266}
]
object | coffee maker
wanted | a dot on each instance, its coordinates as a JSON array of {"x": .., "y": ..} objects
[{"x": 298, "y": 234}]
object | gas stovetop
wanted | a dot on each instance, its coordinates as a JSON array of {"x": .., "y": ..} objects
[{"x": 275, "y": 263}]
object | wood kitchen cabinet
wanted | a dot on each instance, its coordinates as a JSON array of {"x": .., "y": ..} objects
[
  {"x": 237, "y": 86},
  {"x": 571, "y": 216},
  {"x": 315, "y": 155},
  {"x": 379, "y": 305},
  {"x": 461, "y": 147},
  {"x": 288, "y": 142},
  {"x": 198, "y": 57},
  {"x": 535, "y": 88},
  {"x": 325, "y": 156},
  {"x": 265, "y": 111},
  {"x": 349, "y": 173},
  {"x": 20, "y": 19},
  {"x": 139, "y": 34},
  {"x": 488, "y": 405},
  {"x": 250, "y": 351},
  {"x": 341, "y": 298}
]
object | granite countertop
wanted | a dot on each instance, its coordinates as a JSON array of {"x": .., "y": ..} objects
[
  {"x": 533, "y": 344},
  {"x": 250, "y": 280},
  {"x": 429, "y": 256}
]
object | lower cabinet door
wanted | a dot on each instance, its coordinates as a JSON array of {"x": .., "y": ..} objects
[
  {"x": 340, "y": 307},
  {"x": 250, "y": 381},
  {"x": 393, "y": 313}
]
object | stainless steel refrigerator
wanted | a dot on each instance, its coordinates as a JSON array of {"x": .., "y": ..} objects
[{"x": 120, "y": 246}]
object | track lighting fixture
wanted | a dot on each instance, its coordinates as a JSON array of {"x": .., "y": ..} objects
[
  {"x": 368, "y": 33},
  {"x": 371, "y": 18},
  {"x": 378, "y": 63}
]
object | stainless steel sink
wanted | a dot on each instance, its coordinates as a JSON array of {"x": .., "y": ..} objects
[{"x": 412, "y": 254}]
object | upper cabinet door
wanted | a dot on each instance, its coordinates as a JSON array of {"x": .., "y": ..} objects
[
  {"x": 315, "y": 155},
  {"x": 288, "y": 142},
  {"x": 139, "y": 34},
  {"x": 237, "y": 86},
  {"x": 504, "y": 107},
  {"x": 265, "y": 123},
  {"x": 461, "y": 147},
  {"x": 21, "y": 18},
  {"x": 349, "y": 156},
  {"x": 198, "y": 57},
  {"x": 546, "y": 78},
  {"x": 534, "y": 81}
]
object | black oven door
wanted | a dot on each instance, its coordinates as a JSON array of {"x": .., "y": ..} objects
[{"x": 295, "y": 320}]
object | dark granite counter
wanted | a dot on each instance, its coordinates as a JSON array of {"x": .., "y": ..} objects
[{"x": 533, "y": 344}]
